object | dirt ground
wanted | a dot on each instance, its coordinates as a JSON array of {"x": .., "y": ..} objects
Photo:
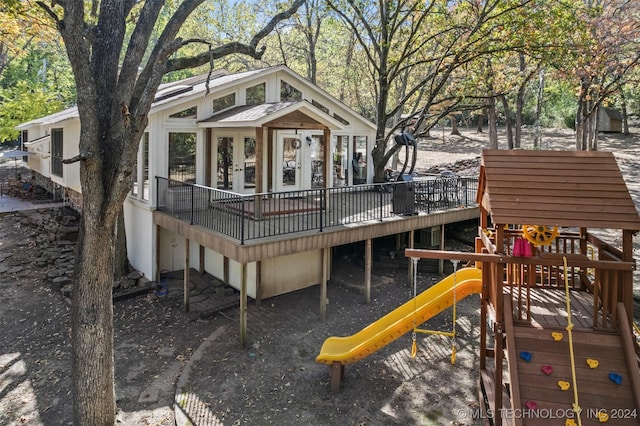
[{"x": 275, "y": 379}]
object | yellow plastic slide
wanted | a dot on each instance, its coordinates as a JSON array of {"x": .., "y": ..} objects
[{"x": 396, "y": 323}]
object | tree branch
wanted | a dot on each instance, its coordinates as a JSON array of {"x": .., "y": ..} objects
[
  {"x": 77, "y": 158},
  {"x": 234, "y": 47}
]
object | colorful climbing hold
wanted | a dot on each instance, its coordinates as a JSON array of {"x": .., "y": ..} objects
[
  {"x": 570, "y": 422},
  {"x": 615, "y": 378},
  {"x": 526, "y": 355},
  {"x": 564, "y": 385},
  {"x": 592, "y": 363},
  {"x": 546, "y": 369},
  {"x": 603, "y": 417},
  {"x": 531, "y": 405},
  {"x": 557, "y": 336}
]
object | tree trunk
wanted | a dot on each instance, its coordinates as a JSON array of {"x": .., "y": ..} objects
[
  {"x": 625, "y": 115},
  {"x": 508, "y": 122},
  {"x": 120, "y": 256},
  {"x": 480, "y": 119},
  {"x": 522, "y": 89},
  {"x": 582, "y": 125},
  {"x": 537, "y": 141},
  {"x": 595, "y": 128},
  {"x": 517, "y": 143},
  {"x": 493, "y": 124},
  {"x": 92, "y": 324},
  {"x": 454, "y": 125}
]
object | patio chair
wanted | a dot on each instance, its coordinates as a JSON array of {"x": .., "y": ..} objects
[
  {"x": 27, "y": 189},
  {"x": 13, "y": 187}
]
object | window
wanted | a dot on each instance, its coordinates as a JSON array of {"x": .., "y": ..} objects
[
  {"x": 145, "y": 166},
  {"x": 24, "y": 137},
  {"x": 340, "y": 119},
  {"x": 341, "y": 161},
  {"x": 224, "y": 102},
  {"x": 134, "y": 184},
  {"x": 256, "y": 94},
  {"x": 136, "y": 189},
  {"x": 320, "y": 106},
  {"x": 187, "y": 113},
  {"x": 359, "y": 162},
  {"x": 289, "y": 93},
  {"x": 56, "y": 152},
  {"x": 225, "y": 163},
  {"x": 182, "y": 157}
]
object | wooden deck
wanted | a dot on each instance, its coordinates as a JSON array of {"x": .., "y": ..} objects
[
  {"x": 349, "y": 217},
  {"x": 251, "y": 217},
  {"x": 548, "y": 307}
]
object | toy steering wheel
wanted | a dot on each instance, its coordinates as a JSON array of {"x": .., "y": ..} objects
[{"x": 539, "y": 235}]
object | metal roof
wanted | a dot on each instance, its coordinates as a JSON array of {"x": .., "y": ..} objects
[{"x": 556, "y": 188}]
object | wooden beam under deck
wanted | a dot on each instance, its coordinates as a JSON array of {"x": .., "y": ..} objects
[{"x": 271, "y": 247}]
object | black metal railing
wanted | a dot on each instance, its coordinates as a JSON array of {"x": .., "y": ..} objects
[{"x": 247, "y": 217}]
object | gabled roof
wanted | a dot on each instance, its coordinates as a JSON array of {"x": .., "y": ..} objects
[
  {"x": 258, "y": 115},
  {"x": 197, "y": 86},
  {"x": 613, "y": 114},
  {"x": 556, "y": 188},
  {"x": 57, "y": 117}
]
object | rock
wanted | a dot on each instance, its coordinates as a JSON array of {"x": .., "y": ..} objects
[
  {"x": 66, "y": 290},
  {"x": 126, "y": 283},
  {"x": 60, "y": 282},
  {"x": 167, "y": 351},
  {"x": 135, "y": 275},
  {"x": 54, "y": 273},
  {"x": 15, "y": 269},
  {"x": 4, "y": 256}
]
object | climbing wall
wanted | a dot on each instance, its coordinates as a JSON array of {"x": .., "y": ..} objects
[{"x": 544, "y": 378}]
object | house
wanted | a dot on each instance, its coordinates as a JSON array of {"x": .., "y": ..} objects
[
  {"x": 609, "y": 120},
  {"x": 251, "y": 172}
]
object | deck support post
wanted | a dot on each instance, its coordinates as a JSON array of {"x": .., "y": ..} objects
[
  {"x": 367, "y": 270},
  {"x": 337, "y": 374},
  {"x": 201, "y": 262},
  {"x": 225, "y": 270},
  {"x": 258, "y": 282},
  {"x": 324, "y": 254},
  {"x": 441, "y": 261},
  {"x": 187, "y": 250},
  {"x": 410, "y": 244},
  {"x": 243, "y": 305},
  {"x": 157, "y": 254}
]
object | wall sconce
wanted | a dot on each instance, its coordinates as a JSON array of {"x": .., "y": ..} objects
[{"x": 309, "y": 140}]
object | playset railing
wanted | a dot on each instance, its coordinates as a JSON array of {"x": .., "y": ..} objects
[{"x": 592, "y": 266}]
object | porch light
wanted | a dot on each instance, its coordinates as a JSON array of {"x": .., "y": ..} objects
[{"x": 309, "y": 140}]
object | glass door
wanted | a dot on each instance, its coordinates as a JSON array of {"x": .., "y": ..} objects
[
  {"x": 288, "y": 164},
  {"x": 236, "y": 163},
  {"x": 341, "y": 161},
  {"x": 248, "y": 173},
  {"x": 316, "y": 148},
  {"x": 224, "y": 163}
]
